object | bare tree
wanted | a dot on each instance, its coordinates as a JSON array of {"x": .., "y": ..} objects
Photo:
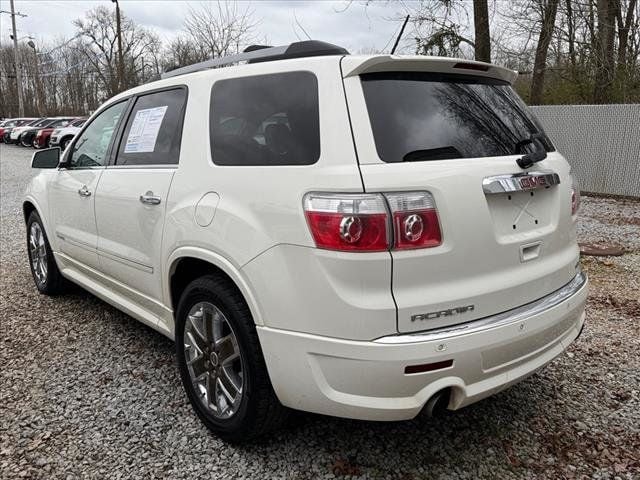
[
  {"x": 481, "y": 27},
  {"x": 99, "y": 47},
  {"x": 182, "y": 51},
  {"x": 219, "y": 28},
  {"x": 549, "y": 11},
  {"x": 441, "y": 28},
  {"x": 605, "y": 57}
]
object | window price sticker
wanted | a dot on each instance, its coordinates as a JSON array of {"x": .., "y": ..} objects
[{"x": 144, "y": 130}]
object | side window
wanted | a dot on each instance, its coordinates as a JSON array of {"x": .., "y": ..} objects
[
  {"x": 90, "y": 149},
  {"x": 153, "y": 131},
  {"x": 265, "y": 120}
]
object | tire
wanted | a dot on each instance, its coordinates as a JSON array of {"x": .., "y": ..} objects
[
  {"x": 24, "y": 140},
  {"x": 257, "y": 410},
  {"x": 34, "y": 143},
  {"x": 64, "y": 143},
  {"x": 49, "y": 280}
]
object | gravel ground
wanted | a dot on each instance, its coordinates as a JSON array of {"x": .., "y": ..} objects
[{"x": 88, "y": 392}]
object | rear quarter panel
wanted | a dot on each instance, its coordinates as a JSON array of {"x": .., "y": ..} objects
[{"x": 260, "y": 207}]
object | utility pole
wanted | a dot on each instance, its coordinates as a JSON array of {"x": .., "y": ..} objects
[
  {"x": 17, "y": 59},
  {"x": 120, "y": 58},
  {"x": 40, "y": 100}
]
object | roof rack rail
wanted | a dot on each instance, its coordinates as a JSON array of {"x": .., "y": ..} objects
[{"x": 308, "y": 48}]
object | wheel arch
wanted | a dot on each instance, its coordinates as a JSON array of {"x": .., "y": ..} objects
[
  {"x": 28, "y": 208},
  {"x": 68, "y": 136},
  {"x": 188, "y": 263},
  {"x": 30, "y": 205}
]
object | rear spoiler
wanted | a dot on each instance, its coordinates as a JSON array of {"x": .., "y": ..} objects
[{"x": 358, "y": 64}]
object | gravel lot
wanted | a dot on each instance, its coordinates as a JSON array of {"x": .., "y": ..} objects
[{"x": 88, "y": 392}]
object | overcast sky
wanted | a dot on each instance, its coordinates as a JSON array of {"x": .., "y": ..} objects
[{"x": 356, "y": 28}]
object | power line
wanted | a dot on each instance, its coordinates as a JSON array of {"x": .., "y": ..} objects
[{"x": 77, "y": 35}]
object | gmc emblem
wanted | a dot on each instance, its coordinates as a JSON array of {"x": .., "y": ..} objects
[{"x": 533, "y": 182}]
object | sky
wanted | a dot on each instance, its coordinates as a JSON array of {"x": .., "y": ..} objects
[{"x": 348, "y": 24}]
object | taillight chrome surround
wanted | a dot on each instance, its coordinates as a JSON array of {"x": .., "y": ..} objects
[{"x": 370, "y": 222}]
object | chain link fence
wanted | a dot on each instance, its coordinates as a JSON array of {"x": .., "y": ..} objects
[{"x": 601, "y": 142}]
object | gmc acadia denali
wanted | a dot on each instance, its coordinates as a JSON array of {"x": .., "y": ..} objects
[{"x": 361, "y": 236}]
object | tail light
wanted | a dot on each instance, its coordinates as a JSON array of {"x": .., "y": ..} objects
[
  {"x": 364, "y": 222},
  {"x": 575, "y": 196},
  {"x": 415, "y": 220},
  {"x": 351, "y": 222}
]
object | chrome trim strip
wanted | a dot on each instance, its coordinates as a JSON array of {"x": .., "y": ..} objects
[
  {"x": 523, "y": 181},
  {"x": 155, "y": 166},
  {"x": 76, "y": 243},
  {"x": 125, "y": 261},
  {"x": 501, "y": 319}
]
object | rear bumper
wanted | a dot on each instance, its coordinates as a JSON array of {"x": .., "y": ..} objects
[{"x": 367, "y": 380}]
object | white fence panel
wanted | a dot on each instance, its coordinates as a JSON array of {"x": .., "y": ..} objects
[{"x": 601, "y": 142}]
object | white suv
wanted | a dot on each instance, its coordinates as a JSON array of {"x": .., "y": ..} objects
[
  {"x": 61, "y": 137},
  {"x": 360, "y": 236}
]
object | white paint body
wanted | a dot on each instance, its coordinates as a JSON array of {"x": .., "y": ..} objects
[
  {"x": 59, "y": 134},
  {"x": 335, "y": 327}
]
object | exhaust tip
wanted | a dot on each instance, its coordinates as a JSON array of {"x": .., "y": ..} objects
[{"x": 437, "y": 403}]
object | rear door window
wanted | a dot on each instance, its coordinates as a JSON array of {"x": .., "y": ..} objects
[
  {"x": 153, "y": 131},
  {"x": 265, "y": 120},
  {"x": 419, "y": 116}
]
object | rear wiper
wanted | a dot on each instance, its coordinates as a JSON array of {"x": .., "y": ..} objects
[
  {"x": 441, "y": 153},
  {"x": 539, "y": 154}
]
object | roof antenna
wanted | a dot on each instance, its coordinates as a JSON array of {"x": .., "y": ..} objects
[{"x": 393, "y": 50}]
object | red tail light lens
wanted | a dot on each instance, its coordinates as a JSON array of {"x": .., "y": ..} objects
[
  {"x": 350, "y": 222},
  {"x": 415, "y": 220},
  {"x": 360, "y": 222}
]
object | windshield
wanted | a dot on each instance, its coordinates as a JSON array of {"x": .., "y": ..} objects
[
  {"x": 40, "y": 123},
  {"x": 419, "y": 116},
  {"x": 59, "y": 123}
]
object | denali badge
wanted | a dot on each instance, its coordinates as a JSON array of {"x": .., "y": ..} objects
[{"x": 442, "y": 313}]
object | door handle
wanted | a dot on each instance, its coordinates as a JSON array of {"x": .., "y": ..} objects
[
  {"x": 150, "y": 199},
  {"x": 84, "y": 191}
]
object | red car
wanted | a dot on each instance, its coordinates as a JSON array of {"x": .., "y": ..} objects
[
  {"x": 42, "y": 137},
  {"x": 11, "y": 123}
]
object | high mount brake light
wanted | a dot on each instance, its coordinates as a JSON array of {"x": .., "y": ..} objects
[{"x": 364, "y": 222}]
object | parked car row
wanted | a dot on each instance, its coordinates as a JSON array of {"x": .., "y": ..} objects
[{"x": 40, "y": 132}]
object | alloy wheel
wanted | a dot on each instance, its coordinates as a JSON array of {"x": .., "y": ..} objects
[
  {"x": 214, "y": 360},
  {"x": 38, "y": 250}
]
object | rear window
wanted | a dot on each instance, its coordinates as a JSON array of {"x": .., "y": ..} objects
[
  {"x": 265, "y": 120},
  {"x": 429, "y": 116}
]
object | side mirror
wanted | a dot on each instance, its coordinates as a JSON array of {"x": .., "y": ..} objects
[{"x": 48, "y": 158}]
